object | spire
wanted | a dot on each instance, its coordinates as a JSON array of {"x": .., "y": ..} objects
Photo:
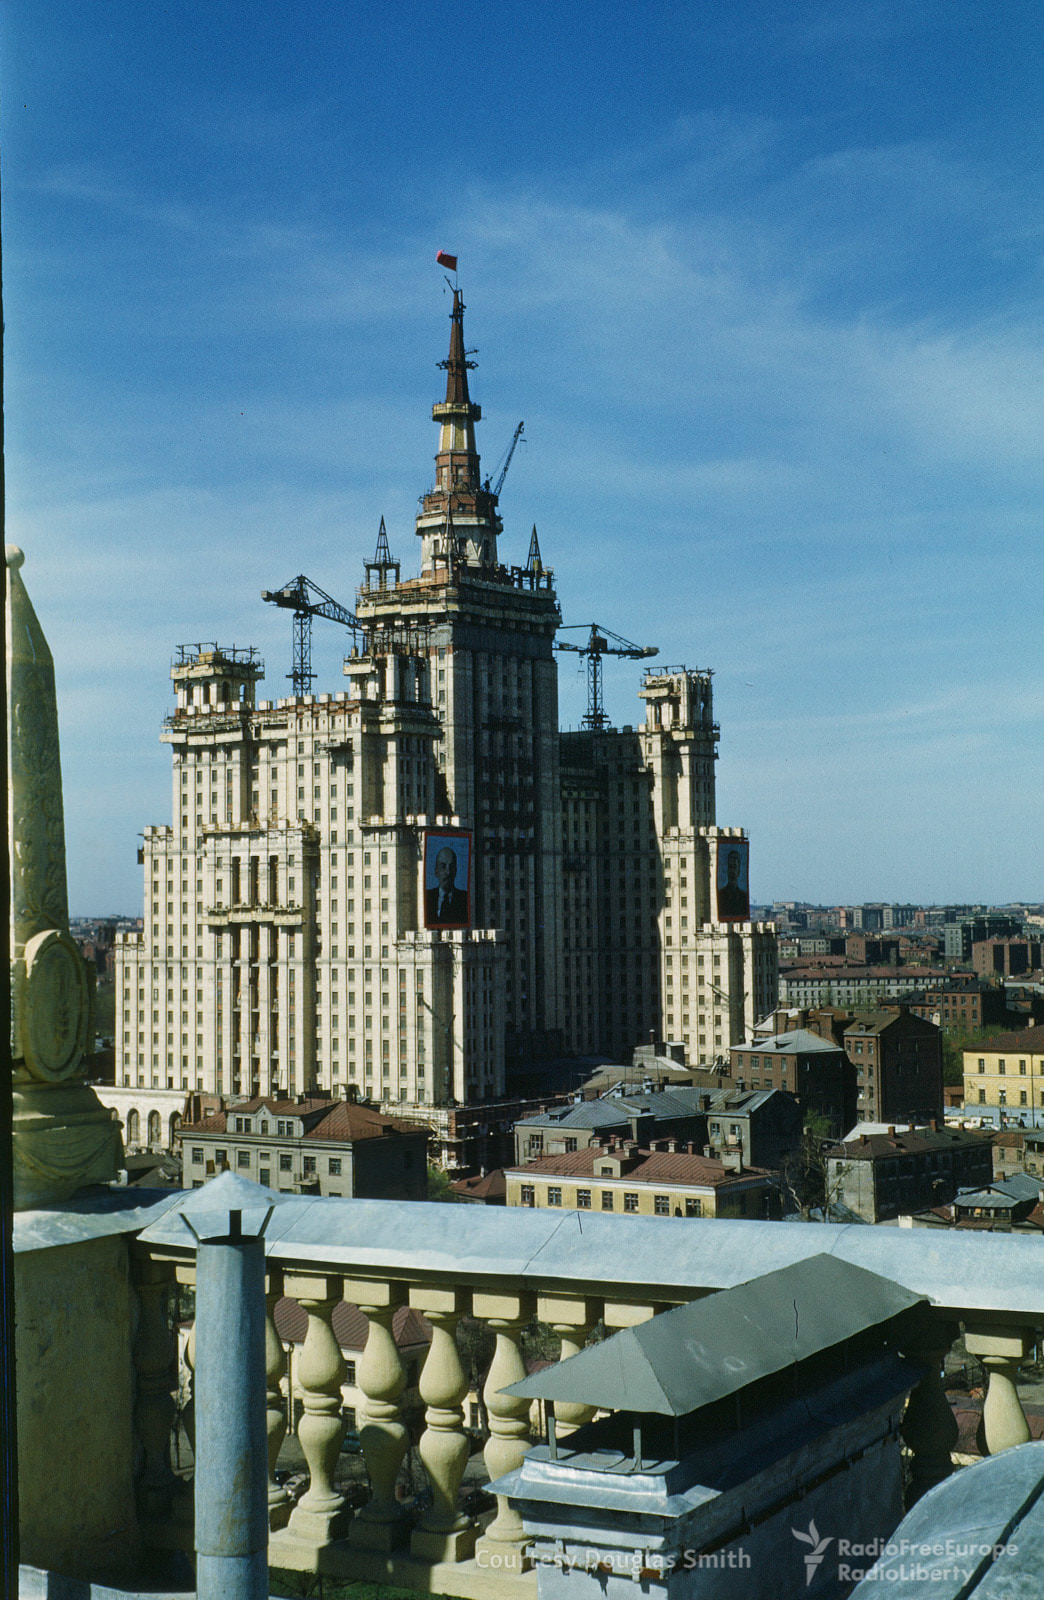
[
  {"x": 533, "y": 561},
  {"x": 459, "y": 515},
  {"x": 457, "y": 363},
  {"x": 382, "y": 564}
]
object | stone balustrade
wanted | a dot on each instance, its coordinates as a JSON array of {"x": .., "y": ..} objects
[{"x": 504, "y": 1269}]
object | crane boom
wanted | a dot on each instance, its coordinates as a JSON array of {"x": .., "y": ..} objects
[
  {"x": 495, "y": 488},
  {"x": 597, "y": 646},
  {"x": 307, "y": 600}
]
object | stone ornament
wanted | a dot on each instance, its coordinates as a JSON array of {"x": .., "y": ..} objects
[{"x": 63, "y": 1138}]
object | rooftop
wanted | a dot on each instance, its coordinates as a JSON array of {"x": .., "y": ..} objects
[{"x": 650, "y": 1166}]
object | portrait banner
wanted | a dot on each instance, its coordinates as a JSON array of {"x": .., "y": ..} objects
[
  {"x": 447, "y": 878},
  {"x": 732, "y": 880}
]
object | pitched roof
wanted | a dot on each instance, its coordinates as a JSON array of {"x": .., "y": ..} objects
[
  {"x": 1028, "y": 1039},
  {"x": 698, "y": 1353},
  {"x": 489, "y": 1186},
  {"x": 652, "y": 1166},
  {"x": 916, "y": 1141},
  {"x": 336, "y": 1121},
  {"x": 799, "y": 1041}
]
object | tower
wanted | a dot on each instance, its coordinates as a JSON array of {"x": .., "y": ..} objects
[{"x": 289, "y": 938}]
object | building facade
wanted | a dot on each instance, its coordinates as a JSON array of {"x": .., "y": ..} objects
[
  {"x": 897, "y": 1057},
  {"x": 1007, "y": 1073},
  {"x": 309, "y": 1146},
  {"x": 290, "y": 939},
  {"x": 881, "y": 1176},
  {"x": 624, "y": 1179}
]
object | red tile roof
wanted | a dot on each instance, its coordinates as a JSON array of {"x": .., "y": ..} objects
[
  {"x": 653, "y": 1166},
  {"x": 345, "y": 1122}
]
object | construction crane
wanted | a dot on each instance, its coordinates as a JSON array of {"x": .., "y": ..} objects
[
  {"x": 306, "y": 600},
  {"x": 495, "y": 488},
  {"x": 596, "y": 647}
]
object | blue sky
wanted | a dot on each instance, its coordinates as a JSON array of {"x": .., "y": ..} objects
[{"x": 764, "y": 281}]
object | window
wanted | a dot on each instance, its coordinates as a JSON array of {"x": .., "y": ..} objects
[
  {"x": 570, "y": 1144},
  {"x": 982, "y": 1097},
  {"x": 221, "y": 1158},
  {"x": 197, "y": 1156},
  {"x": 1022, "y": 1069},
  {"x": 309, "y": 1164},
  {"x": 1002, "y": 1065},
  {"x": 694, "y": 1208},
  {"x": 526, "y": 1194},
  {"x": 286, "y": 1163},
  {"x": 982, "y": 1064},
  {"x": 554, "y": 1196},
  {"x": 607, "y": 1199},
  {"x": 661, "y": 1205},
  {"x": 335, "y": 1166},
  {"x": 630, "y": 1202},
  {"x": 583, "y": 1199},
  {"x": 242, "y": 1158}
]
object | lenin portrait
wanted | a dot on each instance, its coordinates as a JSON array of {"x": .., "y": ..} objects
[
  {"x": 733, "y": 880},
  {"x": 447, "y": 879}
]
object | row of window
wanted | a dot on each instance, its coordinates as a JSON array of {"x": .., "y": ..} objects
[
  {"x": 661, "y": 1202},
  {"x": 1001, "y": 1067},
  {"x": 286, "y": 1160}
]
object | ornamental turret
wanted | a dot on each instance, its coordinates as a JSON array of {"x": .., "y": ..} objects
[{"x": 458, "y": 520}]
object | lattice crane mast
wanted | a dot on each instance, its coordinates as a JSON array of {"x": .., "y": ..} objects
[
  {"x": 593, "y": 651},
  {"x": 306, "y": 600}
]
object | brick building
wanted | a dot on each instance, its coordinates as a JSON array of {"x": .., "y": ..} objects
[
  {"x": 816, "y": 1071},
  {"x": 884, "y": 1175},
  {"x": 898, "y": 1063}
]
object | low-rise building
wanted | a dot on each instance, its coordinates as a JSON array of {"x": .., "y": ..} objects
[
  {"x": 1018, "y": 1150},
  {"x": 309, "y": 1145},
  {"x": 880, "y": 1176},
  {"x": 963, "y": 1005},
  {"x": 624, "y": 1179},
  {"x": 669, "y": 1114},
  {"x": 814, "y": 1070},
  {"x": 1006, "y": 1072},
  {"x": 898, "y": 1060}
]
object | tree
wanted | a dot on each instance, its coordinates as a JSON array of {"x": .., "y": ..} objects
[
  {"x": 955, "y": 1043},
  {"x": 806, "y": 1178},
  {"x": 439, "y": 1187}
]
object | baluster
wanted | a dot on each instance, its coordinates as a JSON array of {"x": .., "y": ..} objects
[
  {"x": 444, "y": 1533},
  {"x": 321, "y": 1515},
  {"x": 155, "y": 1360},
  {"x": 572, "y": 1320},
  {"x": 929, "y": 1427},
  {"x": 381, "y": 1377},
  {"x": 1000, "y": 1349},
  {"x": 509, "y": 1438},
  {"x": 275, "y": 1412}
]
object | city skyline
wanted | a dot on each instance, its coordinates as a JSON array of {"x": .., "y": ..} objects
[{"x": 770, "y": 317}]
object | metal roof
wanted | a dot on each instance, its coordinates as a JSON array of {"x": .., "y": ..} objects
[
  {"x": 798, "y": 1042},
  {"x": 686, "y": 1358},
  {"x": 419, "y": 1240}
]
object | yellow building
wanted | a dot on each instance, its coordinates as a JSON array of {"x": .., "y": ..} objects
[
  {"x": 646, "y": 1183},
  {"x": 1006, "y": 1071}
]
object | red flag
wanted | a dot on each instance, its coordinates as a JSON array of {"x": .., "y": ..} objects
[{"x": 445, "y": 260}]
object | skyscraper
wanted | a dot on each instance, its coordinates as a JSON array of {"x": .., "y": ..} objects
[{"x": 415, "y": 884}]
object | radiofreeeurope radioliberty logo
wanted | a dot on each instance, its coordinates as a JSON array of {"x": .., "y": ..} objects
[{"x": 817, "y": 1549}]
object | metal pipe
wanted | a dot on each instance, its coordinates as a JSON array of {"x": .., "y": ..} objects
[{"x": 231, "y": 1438}]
